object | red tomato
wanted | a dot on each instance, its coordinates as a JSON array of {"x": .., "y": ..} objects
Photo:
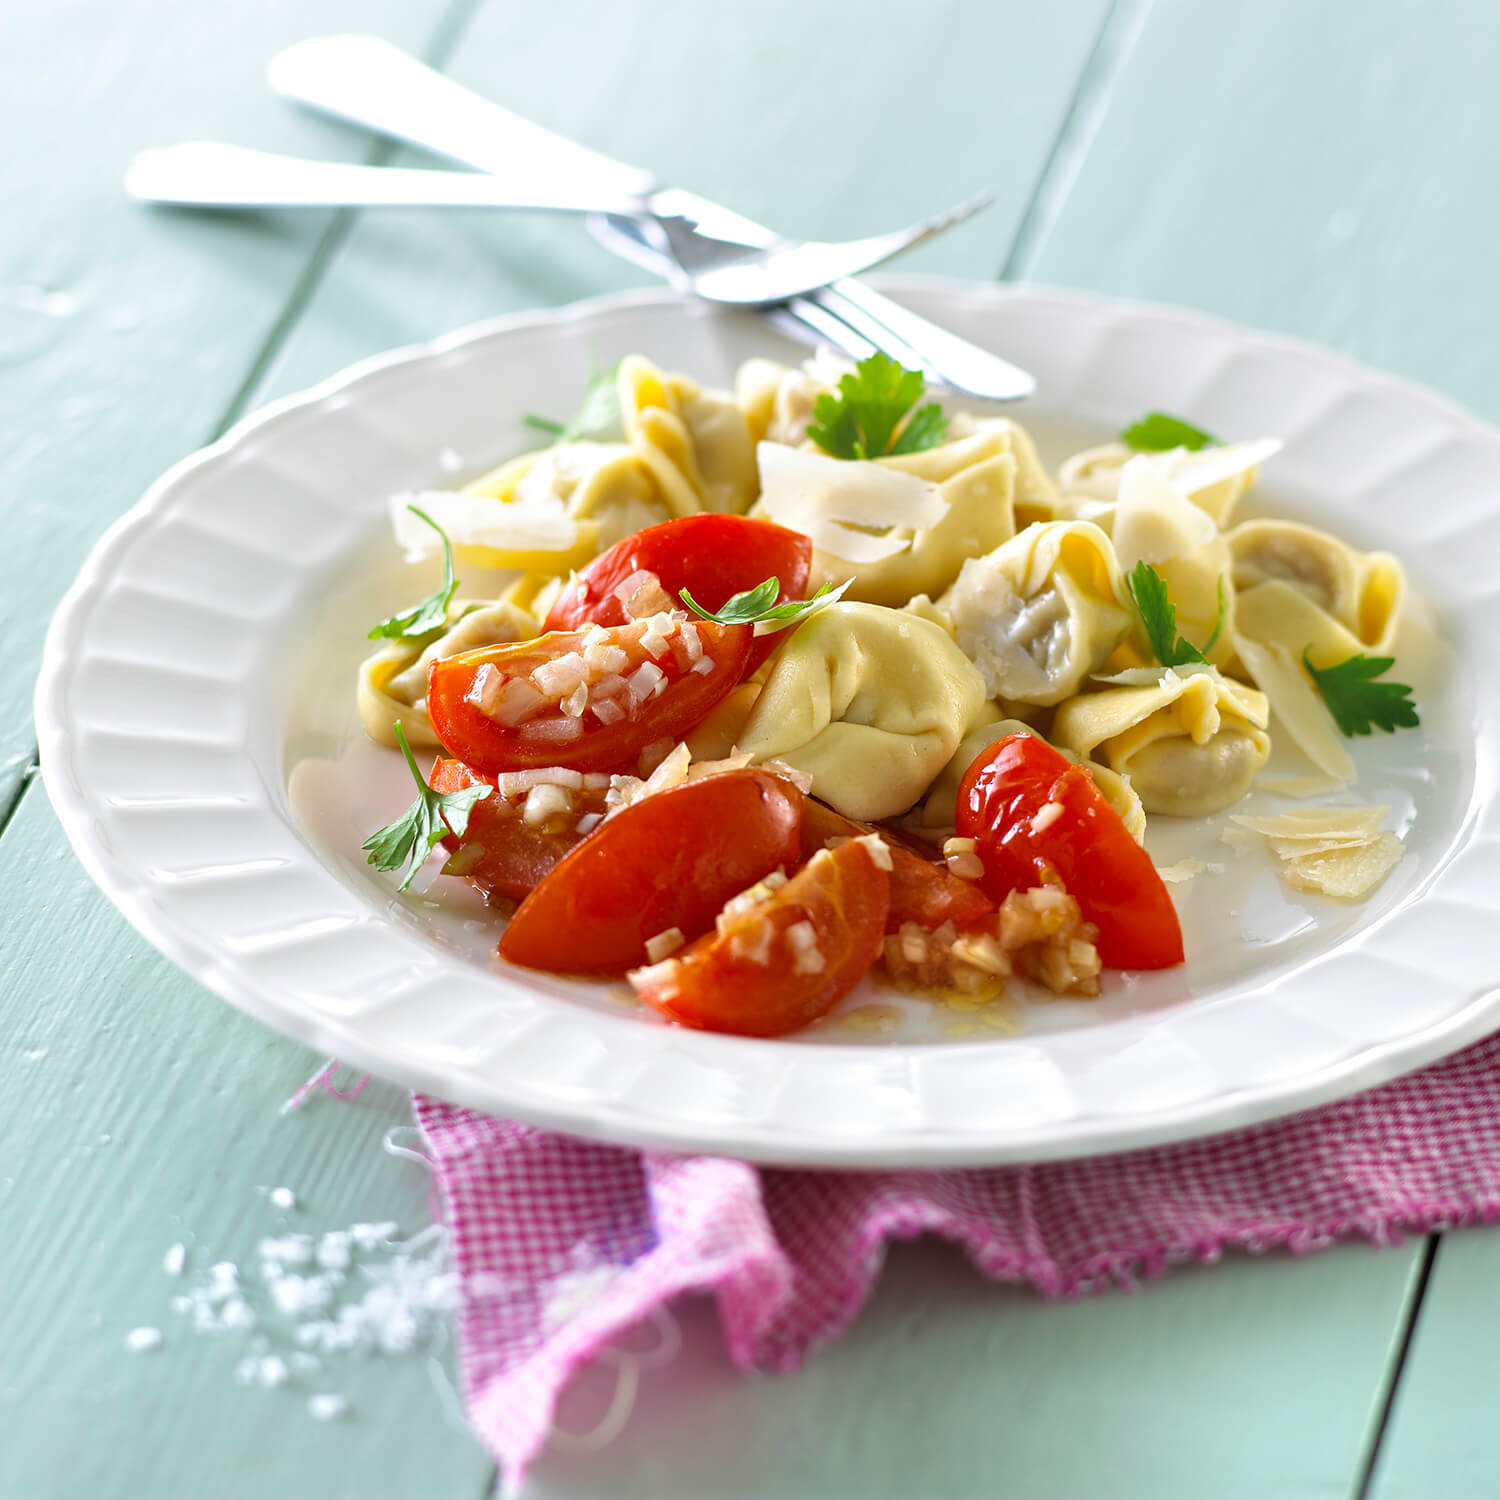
[
  {"x": 714, "y": 557},
  {"x": 922, "y": 890},
  {"x": 754, "y": 978},
  {"x": 531, "y": 729},
  {"x": 670, "y": 860},
  {"x": 1104, "y": 869},
  {"x": 501, "y": 854}
]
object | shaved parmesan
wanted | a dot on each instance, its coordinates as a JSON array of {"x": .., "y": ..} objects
[
  {"x": 1301, "y": 786},
  {"x": 1194, "y": 471},
  {"x": 1335, "y": 851},
  {"x": 1316, "y": 822},
  {"x": 828, "y": 498},
  {"x": 1299, "y": 706},
  {"x": 1348, "y": 874},
  {"x": 1154, "y": 520},
  {"x": 1185, "y": 869},
  {"x": 536, "y": 525}
]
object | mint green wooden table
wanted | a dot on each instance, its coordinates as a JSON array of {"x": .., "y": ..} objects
[{"x": 1326, "y": 170}]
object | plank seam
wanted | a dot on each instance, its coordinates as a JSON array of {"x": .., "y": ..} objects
[
  {"x": 1121, "y": 27},
  {"x": 13, "y": 805},
  {"x": 1406, "y": 1327}
]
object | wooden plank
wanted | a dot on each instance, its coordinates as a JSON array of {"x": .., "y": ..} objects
[
  {"x": 1440, "y": 1437},
  {"x": 1208, "y": 1382},
  {"x": 1304, "y": 169},
  {"x": 194, "y": 1141},
  {"x": 1319, "y": 170},
  {"x": 125, "y": 334},
  {"x": 141, "y": 1112},
  {"x": 815, "y": 126}
]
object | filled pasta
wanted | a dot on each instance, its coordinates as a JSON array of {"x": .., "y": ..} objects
[
  {"x": 1041, "y": 612},
  {"x": 871, "y": 702},
  {"x": 695, "y": 441},
  {"x": 1190, "y": 741}
]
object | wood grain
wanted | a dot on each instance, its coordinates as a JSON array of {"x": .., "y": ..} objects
[
  {"x": 1322, "y": 172},
  {"x": 125, "y": 334}
]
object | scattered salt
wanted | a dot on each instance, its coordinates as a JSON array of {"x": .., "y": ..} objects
[
  {"x": 283, "y": 1198},
  {"x": 139, "y": 1340},
  {"x": 175, "y": 1259},
  {"x": 327, "y": 1407}
]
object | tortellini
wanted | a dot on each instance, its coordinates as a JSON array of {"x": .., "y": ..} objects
[
  {"x": 1215, "y": 478},
  {"x": 1308, "y": 591},
  {"x": 1190, "y": 742},
  {"x": 1041, "y": 612},
  {"x": 696, "y": 442},
  {"x": 392, "y": 684},
  {"x": 871, "y": 702}
]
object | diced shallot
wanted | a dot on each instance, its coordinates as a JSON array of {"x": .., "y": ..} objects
[
  {"x": 555, "y": 731},
  {"x": 516, "y": 702},
  {"x": 802, "y": 938},
  {"x": 484, "y": 692},
  {"x": 645, "y": 682},
  {"x": 544, "y": 802},
  {"x": 558, "y": 677}
]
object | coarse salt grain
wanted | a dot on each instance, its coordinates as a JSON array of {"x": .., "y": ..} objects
[
  {"x": 175, "y": 1259},
  {"x": 283, "y": 1198},
  {"x": 139, "y": 1340},
  {"x": 326, "y": 1406}
]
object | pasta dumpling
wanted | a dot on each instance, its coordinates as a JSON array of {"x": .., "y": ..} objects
[
  {"x": 1214, "y": 478},
  {"x": 1041, "y": 612},
  {"x": 871, "y": 702},
  {"x": 1308, "y": 591},
  {"x": 392, "y": 683},
  {"x": 1191, "y": 742},
  {"x": 696, "y": 442}
]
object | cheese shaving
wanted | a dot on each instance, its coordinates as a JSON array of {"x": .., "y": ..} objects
[
  {"x": 1300, "y": 786},
  {"x": 1346, "y": 874},
  {"x": 1299, "y": 707},
  {"x": 1316, "y": 822},
  {"x": 1154, "y": 520},
  {"x": 1185, "y": 870},
  {"x": 829, "y": 498},
  {"x": 540, "y": 524}
]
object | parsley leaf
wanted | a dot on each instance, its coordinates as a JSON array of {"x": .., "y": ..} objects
[
  {"x": 758, "y": 607},
  {"x": 1156, "y": 432},
  {"x": 432, "y": 613},
  {"x": 861, "y": 420},
  {"x": 1357, "y": 701},
  {"x": 424, "y": 825},
  {"x": 598, "y": 414},
  {"x": 1159, "y": 615}
]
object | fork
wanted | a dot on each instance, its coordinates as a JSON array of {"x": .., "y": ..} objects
[
  {"x": 208, "y": 174},
  {"x": 369, "y": 82}
]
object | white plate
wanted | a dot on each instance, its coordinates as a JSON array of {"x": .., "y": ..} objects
[{"x": 199, "y": 743}]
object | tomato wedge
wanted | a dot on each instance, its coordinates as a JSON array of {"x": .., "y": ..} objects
[
  {"x": 501, "y": 854},
  {"x": 670, "y": 860},
  {"x": 1003, "y": 804},
  {"x": 922, "y": 890},
  {"x": 714, "y": 557},
  {"x": 501, "y": 708},
  {"x": 782, "y": 961}
]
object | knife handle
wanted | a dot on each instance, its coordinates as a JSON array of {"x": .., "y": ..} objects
[{"x": 371, "y": 83}]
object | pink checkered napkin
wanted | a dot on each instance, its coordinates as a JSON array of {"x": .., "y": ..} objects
[{"x": 564, "y": 1244}]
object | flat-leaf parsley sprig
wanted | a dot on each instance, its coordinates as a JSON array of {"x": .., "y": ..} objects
[
  {"x": 758, "y": 607},
  {"x": 1156, "y": 432},
  {"x": 598, "y": 414},
  {"x": 1159, "y": 615},
  {"x": 1357, "y": 702},
  {"x": 432, "y": 613},
  {"x": 423, "y": 826},
  {"x": 861, "y": 421}
]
